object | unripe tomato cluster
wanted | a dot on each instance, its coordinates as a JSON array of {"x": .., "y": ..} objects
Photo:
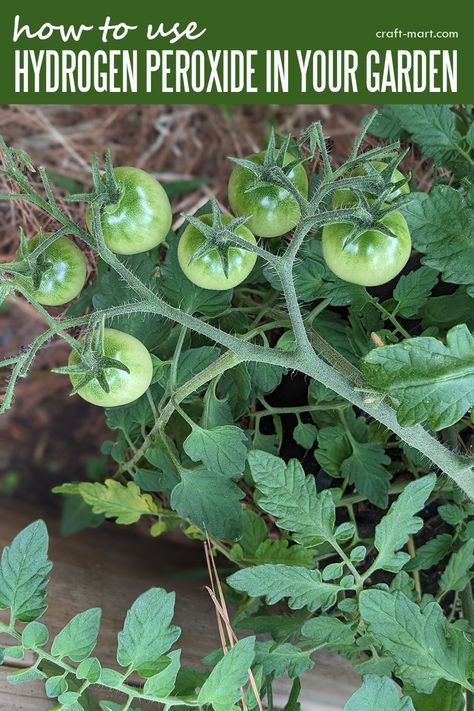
[{"x": 141, "y": 219}]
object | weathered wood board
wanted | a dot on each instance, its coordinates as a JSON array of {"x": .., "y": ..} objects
[{"x": 109, "y": 568}]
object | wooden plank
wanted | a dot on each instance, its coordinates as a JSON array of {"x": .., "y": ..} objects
[{"x": 109, "y": 568}]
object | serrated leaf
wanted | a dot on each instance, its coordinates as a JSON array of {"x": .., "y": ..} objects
[
  {"x": 329, "y": 632},
  {"x": 445, "y": 697},
  {"x": 280, "y": 551},
  {"x": 302, "y": 587},
  {"x": 387, "y": 124},
  {"x": 147, "y": 632},
  {"x": 378, "y": 693},
  {"x": 424, "y": 646},
  {"x": 281, "y": 659},
  {"x": 221, "y": 449},
  {"x": 222, "y": 688},
  {"x": 413, "y": 289},
  {"x": 442, "y": 229},
  {"x": 345, "y": 450},
  {"x": 290, "y": 496},
  {"x": 24, "y": 569},
  {"x": 123, "y": 502},
  {"x": 452, "y": 514},
  {"x": 458, "y": 571},
  {"x": 392, "y": 532},
  {"x": 430, "y": 380},
  {"x": 78, "y": 637},
  {"x": 209, "y": 501},
  {"x": 433, "y": 127},
  {"x": 162, "y": 684},
  {"x": 431, "y": 552}
]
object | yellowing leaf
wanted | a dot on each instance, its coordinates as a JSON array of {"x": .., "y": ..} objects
[{"x": 115, "y": 500}]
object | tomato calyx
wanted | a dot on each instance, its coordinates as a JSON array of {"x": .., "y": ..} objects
[
  {"x": 93, "y": 364},
  {"x": 368, "y": 219},
  {"x": 372, "y": 182},
  {"x": 108, "y": 191},
  {"x": 220, "y": 236},
  {"x": 273, "y": 170},
  {"x": 31, "y": 264}
]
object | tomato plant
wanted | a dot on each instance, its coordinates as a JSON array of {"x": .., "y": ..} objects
[
  {"x": 216, "y": 258},
  {"x": 291, "y": 422},
  {"x": 372, "y": 257},
  {"x": 138, "y": 218},
  {"x": 122, "y": 384},
  {"x": 273, "y": 210},
  {"x": 60, "y": 272}
]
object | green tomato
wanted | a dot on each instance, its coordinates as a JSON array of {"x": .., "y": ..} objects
[
  {"x": 273, "y": 210},
  {"x": 373, "y": 258},
  {"x": 65, "y": 271},
  {"x": 207, "y": 271},
  {"x": 141, "y": 219},
  {"x": 124, "y": 387},
  {"x": 345, "y": 198}
]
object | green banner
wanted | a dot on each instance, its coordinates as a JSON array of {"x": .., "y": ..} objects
[{"x": 240, "y": 52}]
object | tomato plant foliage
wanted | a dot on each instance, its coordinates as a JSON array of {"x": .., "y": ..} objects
[{"x": 305, "y": 421}]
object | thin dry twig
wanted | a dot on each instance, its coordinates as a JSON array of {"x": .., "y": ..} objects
[{"x": 223, "y": 619}]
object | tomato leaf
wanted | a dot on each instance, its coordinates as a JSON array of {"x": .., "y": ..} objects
[
  {"x": 413, "y": 289},
  {"x": 376, "y": 693},
  {"x": 329, "y": 631},
  {"x": 223, "y": 686},
  {"x": 392, "y": 532},
  {"x": 291, "y": 498},
  {"x": 163, "y": 683},
  {"x": 221, "y": 449},
  {"x": 210, "y": 501},
  {"x": 446, "y": 695},
  {"x": 281, "y": 659},
  {"x": 302, "y": 587},
  {"x": 458, "y": 571},
  {"x": 24, "y": 570},
  {"x": 78, "y": 637},
  {"x": 442, "y": 228},
  {"x": 305, "y": 434},
  {"x": 431, "y": 381},
  {"x": 424, "y": 646},
  {"x": 125, "y": 503},
  {"x": 147, "y": 633},
  {"x": 431, "y": 552},
  {"x": 432, "y": 126},
  {"x": 344, "y": 450}
]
